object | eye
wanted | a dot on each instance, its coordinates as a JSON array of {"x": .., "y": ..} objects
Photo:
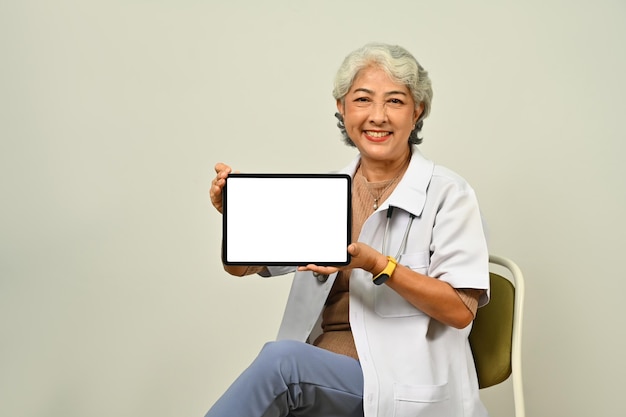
[
  {"x": 362, "y": 99},
  {"x": 395, "y": 101}
]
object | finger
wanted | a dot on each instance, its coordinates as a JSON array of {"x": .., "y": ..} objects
[
  {"x": 317, "y": 268},
  {"x": 325, "y": 270},
  {"x": 220, "y": 166},
  {"x": 222, "y": 170},
  {"x": 354, "y": 249},
  {"x": 217, "y": 184},
  {"x": 309, "y": 267}
]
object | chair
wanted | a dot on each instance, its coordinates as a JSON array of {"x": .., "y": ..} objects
[{"x": 496, "y": 335}]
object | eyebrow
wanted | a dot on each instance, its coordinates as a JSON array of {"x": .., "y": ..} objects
[{"x": 389, "y": 93}]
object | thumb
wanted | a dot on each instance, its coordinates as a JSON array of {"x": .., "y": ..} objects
[{"x": 354, "y": 249}]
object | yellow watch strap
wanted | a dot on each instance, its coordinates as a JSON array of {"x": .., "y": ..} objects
[{"x": 386, "y": 273}]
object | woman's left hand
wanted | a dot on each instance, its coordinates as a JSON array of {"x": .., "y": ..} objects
[{"x": 362, "y": 256}]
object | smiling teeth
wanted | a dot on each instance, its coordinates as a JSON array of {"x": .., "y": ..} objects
[{"x": 377, "y": 134}]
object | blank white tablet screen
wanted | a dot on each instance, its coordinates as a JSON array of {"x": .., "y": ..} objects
[{"x": 284, "y": 219}]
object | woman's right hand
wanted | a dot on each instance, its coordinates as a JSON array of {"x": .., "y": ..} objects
[{"x": 217, "y": 185}]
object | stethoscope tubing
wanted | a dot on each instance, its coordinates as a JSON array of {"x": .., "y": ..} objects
[{"x": 405, "y": 238}]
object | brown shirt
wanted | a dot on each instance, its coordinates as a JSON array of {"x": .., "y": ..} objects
[{"x": 337, "y": 334}]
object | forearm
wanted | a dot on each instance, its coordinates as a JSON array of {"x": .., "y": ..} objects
[
  {"x": 242, "y": 270},
  {"x": 436, "y": 298}
]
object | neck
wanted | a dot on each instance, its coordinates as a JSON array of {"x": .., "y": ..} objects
[{"x": 378, "y": 171}]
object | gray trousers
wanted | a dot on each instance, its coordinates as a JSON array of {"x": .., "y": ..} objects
[{"x": 291, "y": 378}]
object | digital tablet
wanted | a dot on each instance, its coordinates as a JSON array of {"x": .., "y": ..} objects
[{"x": 286, "y": 219}]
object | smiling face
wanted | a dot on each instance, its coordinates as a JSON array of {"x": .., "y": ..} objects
[{"x": 379, "y": 115}]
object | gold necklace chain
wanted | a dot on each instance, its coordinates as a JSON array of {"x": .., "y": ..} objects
[
  {"x": 393, "y": 180},
  {"x": 382, "y": 192}
]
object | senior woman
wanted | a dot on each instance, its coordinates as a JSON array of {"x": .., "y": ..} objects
[{"x": 393, "y": 339}]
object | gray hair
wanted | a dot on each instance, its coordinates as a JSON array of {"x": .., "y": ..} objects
[{"x": 402, "y": 68}]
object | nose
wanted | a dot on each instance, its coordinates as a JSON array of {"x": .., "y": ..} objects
[{"x": 378, "y": 115}]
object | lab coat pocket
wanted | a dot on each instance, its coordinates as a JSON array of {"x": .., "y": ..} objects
[
  {"x": 417, "y": 261},
  {"x": 422, "y": 400},
  {"x": 387, "y": 302}
]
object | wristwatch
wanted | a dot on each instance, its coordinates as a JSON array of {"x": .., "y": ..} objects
[{"x": 384, "y": 275}]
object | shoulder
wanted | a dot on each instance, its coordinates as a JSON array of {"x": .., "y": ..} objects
[
  {"x": 447, "y": 178},
  {"x": 435, "y": 175}
]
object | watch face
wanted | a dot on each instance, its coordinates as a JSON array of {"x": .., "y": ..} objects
[{"x": 381, "y": 279}]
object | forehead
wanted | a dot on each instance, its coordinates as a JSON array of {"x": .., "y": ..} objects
[{"x": 376, "y": 80}]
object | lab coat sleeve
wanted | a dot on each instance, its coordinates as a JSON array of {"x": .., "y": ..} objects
[
  {"x": 273, "y": 271},
  {"x": 459, "y": 253}
]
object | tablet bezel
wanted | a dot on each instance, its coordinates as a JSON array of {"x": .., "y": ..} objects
[{"x": 310, "y": 203}]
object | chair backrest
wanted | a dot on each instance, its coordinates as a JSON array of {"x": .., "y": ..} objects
[
  {"x": 492, "y": 333},
  {"x": 497, "y": 331}
]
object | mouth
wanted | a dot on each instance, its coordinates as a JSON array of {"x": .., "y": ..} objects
[{"x": 376, "y": 135}]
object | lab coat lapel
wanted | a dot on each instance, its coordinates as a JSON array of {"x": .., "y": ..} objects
[{"x": 410, "y": 193}]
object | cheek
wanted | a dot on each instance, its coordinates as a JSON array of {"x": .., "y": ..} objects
[
  {"x": 353, "y": 118},
  {"x": 405, "y": 119}
]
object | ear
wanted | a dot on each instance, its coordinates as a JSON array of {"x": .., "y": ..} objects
[
  {"x": 418, "y": 112},
  {"x": 340, "y": 107}
]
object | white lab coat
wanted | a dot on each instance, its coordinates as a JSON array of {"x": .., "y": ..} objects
[{"x": 412, "y": 365}]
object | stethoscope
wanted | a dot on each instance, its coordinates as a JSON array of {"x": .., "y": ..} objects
[
  {"x": 384, "y": 249},
  {"x": 405, "y": 238}
]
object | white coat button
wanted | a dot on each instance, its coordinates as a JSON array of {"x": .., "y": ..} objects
[{"x": 320, "y": 277}]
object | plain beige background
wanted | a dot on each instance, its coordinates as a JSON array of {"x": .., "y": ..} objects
[{"x": 112, "y": 297}]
